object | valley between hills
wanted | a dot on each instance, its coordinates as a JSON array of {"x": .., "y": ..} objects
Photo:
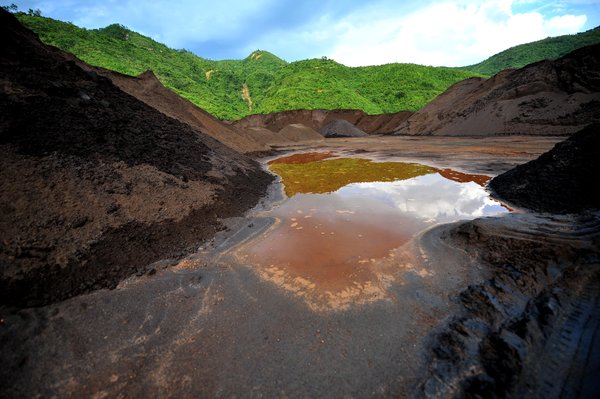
[{"x": 173, "y": 226}]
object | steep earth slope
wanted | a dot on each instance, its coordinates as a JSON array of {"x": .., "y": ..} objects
[
  {"x": 95, "y": 184},
  {"x": 150, "y": 90},
  {"x": 546, "y": 98},
  {"x": 316, "y": 118}
]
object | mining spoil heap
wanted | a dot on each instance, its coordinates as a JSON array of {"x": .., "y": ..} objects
[
  {"x": 95, "y": 184},
  {"x": 550, "y": 97}
]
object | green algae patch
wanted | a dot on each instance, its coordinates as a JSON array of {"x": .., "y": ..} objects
[{"x": 330, "y": 175}]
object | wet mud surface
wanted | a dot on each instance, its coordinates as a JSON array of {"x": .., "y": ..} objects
[{"x": 212, "y": 325}]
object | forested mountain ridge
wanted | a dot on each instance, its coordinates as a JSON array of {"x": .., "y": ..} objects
[
  {"x": 547, "y": 49},
  {"x": 260, "y": 83}
]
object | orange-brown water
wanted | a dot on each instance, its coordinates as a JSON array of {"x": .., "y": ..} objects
[
  {"x": 329, "y": 244},
  {"x": 332, "y": 236}
]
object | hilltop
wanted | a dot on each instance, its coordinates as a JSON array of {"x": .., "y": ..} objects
[
  {"x": 547, "y": 49},
  {"x": 259, "y": 84}
]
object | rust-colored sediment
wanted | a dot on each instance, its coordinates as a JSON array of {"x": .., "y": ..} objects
[
  {"x": 329, "y": 257},
  {"x": 464, "y": 177}
]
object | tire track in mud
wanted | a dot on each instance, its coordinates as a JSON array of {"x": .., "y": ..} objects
[
  {"x": 567, "y": 365},
  {"x": 530, "y": 329}
]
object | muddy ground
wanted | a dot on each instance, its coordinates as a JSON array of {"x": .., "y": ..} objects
[{"x": 211, "y": 326}]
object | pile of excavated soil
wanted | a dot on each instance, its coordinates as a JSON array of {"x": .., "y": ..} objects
[
  {"x": 148, "y": 89},
  {"x": 341, "y": 128},
  {"x": 559, "y": 181},
  {"x": 96, "y": 184},
  {"x": 267, "y": 137},
  {"x": 557, "y": 97},
  {"x": 298, "y": 132},
  {"x": 315, "y": 119}
]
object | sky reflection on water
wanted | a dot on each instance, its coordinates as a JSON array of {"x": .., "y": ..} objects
[{"x": 328, "y": 248}]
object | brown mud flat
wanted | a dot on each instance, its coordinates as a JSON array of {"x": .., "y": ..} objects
[
  {"x": 210, "y": 325},
  {"x": 476, "y": 155},
  {"x": 302, "y": 158}
]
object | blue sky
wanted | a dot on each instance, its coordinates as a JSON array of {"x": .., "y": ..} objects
[{"x": 429, "y": 32}]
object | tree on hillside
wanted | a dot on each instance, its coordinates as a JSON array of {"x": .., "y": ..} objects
[{"x": 13, "y": 8}]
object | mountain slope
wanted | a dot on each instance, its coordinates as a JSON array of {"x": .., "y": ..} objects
[
  {"x": 556, "y": 97},
  {"x": 261, "y": 83},
  {"x": 547, "y": 49}
]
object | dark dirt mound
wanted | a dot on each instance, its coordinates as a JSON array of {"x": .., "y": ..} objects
[
  {"x": 96, "y": 184},
  {"x": 559, "y": 181},
  {"x": 298, "y": 132},
  {"x": 556, "y": 97},
  {"x": 341, "y": 128},
  {"x": 315, "y": 119}
]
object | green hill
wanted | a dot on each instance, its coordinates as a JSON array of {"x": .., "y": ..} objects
[
  {"x": 549, "y": 48},
  {"x": 261, "y": 83}
]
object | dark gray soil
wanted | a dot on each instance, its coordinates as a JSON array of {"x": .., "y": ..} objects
[
  {"x": 341, "y": 128},
  {"x": 560, "y": 181}
]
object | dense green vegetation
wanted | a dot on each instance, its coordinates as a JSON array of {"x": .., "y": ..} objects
[
  {"x": 549, "y": 48},
  {"x": 264, "y": 83},
  {"x": 261, "y": 83}
]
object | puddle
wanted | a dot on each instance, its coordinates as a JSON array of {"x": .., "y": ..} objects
[{"x": 339, "y": 236}]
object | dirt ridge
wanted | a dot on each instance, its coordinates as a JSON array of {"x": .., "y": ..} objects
[{"x": 557, "y": 97}]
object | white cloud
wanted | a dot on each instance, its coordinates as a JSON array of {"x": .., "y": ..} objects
[
  {"x": 446, "y": 33},
  {"x": 563, "y": 25},
  {"x": 429, "y": 197}
]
